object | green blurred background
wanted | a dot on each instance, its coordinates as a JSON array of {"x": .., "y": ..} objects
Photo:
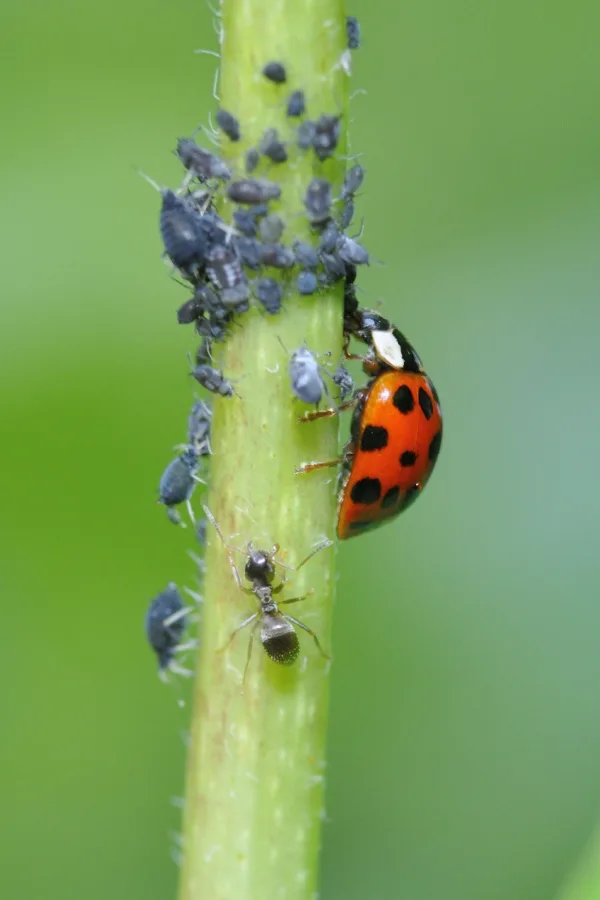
[{"x": 465, "y": 729}]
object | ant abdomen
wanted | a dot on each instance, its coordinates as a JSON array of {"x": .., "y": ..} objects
[{"x": 279, "y": 639}]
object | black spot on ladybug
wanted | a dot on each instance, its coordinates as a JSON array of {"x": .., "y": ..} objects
[
  {"x": 433, "y": 391},
  {"x": 411, "y": 495},
  {"x": 374, "y": 437},
  {"x": 408, "y": 458},
  {"x": 403, "y": 399},
  {"x": 434, "y": 447},
  {"x": 367, "y": 490},
  {"x": 390, "y": 498},
  {"x": 425, "y": 403}
]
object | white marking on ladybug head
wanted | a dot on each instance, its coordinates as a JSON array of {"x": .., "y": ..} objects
[{"x": 387, "y": 349}]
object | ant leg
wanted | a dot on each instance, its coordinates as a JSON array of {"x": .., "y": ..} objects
[
  {"x": 311, "y": 466},
  {"x": 235, "y": 631},
  {"x": 249, "y": 653},
  {"x": 309, "y": 631},
  {"x": 232, "y": 565},
  {"x": 320, "y": 546},
  {"x": 297, "y": 599}
]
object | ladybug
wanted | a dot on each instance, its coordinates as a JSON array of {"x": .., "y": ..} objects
[{"x": 396, "y": 430}]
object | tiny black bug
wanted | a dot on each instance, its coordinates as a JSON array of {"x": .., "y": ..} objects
[
  {"x": 347, "y": 213},
  {"x": 199, "y": 425},
  {"x": 275, "y": 72},
  {"x": 334, "y": 265},
  {"x": 305, "y": 255},
  {"x": 269, "y": 294},
  {"x": 182, "y": 234},
  {"x": 246, "y": 222},
  {"x": 305, "y": 134},
  {"x": 249, "y": 250},
  {"x": 228, "y": 124},
  {"x": 352, "y": 32},
  {"x": 307, "y": 282},
  {"x": 277, "y": 632},
  {"x": 329, "y": 238},
  {"x": 189, "y": 311},
  {"x": 223, "y": 267},
  {"x": 317, "y": 201},
  {"x": 352, "y": 252},
  {"x": 213, "y": 380},
  {"x": 353, "y": 179},
  {"x": 252, "y": 159},
  {"x": 252, "y": 191},
  {"x": 327, "y": 135},
  {"x": 296, "y": 105},
  {"x": 177, "y": 483},
  {"x": 272, "y": 147},
  {"x": 343, "y": 379},
  {"x": 236, "y": 297},
  {"x": 165, "y": 623},
  {"x": 201, "y": 162},
  {"x": 271, "y": 228},
  {"x": 277, "y": 256}
]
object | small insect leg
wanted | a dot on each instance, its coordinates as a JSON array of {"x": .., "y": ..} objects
[
  {"x": 312, "y": 466},
  {"x": 297, "y": 599},
  {"x": 327, "y": 413},
  {"x": 232, "y": 565},
  {"x": 309, "y": 631},
  {"x": 235, "y": 631}
]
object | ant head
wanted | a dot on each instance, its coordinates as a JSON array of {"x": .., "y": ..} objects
[
  {"x": 279, "y": 639},
  {"x": 259, "y": 566}
]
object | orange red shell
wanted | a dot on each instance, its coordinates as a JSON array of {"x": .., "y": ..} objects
[{"x": 396, "y": 438}]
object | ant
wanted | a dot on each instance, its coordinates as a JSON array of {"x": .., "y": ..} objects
[{"x": 277, "y": 633}]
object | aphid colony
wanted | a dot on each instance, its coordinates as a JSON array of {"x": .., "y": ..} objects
[{"x": 396, "y": 425}]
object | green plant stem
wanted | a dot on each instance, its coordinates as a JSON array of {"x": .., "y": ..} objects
[{"x": 256, "y": 764}]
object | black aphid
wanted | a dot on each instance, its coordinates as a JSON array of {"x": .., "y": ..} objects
[
  {"x": 246, "y": 222},
  {"x": 166, "y": 621},
  {"x": 199, "y": 425},
  {"x": 353, "y": 252},
  {"x": 252, "y": 159},
  {"x": 228, "y": 124},
  {"x": 269, "y": 294},
  {"x": 277, "y": 632},
  {"x": 352, "y": 32},
  {"x": 189, "y": 311},
  {"x": 307, "y": 282},
  {"x": 317, "y": 201},
  {"x": 296, "y": 105},
  {"x": 305, "y": 255},
  {"x": 182, "y": 233},
  {"x": 353, "y": 179},
  {"x": 343, "y": 379},
  {"x": 275, "y": 72},
  {"x": 347, "y": 213},
  {"x": 178, "y": 481},
  {"x": 272, "y": 147},
  {"x": 237, "y": 297},
  {"x": 271, "y": 228},
  {"x": 327, "y": 135},
  {"x": 223, "y": 267},
  {"x": 335, "y": 268},
  {"x": 305, "y": 135},
  {"x": 252, "y": 191},
  {"x": 200, "y": 162},
  {"x": 213, "y": 380},
  {"x": 329, "y": 238},
  {"x": 249, "y": 250},
  {"x": 277, "y": 256}
]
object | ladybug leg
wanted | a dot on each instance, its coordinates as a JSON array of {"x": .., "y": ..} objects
[
  {"x": 346, "y": 352},
  {"x": 327, "y": 413},
  {"x": 311, "y": 466},
  {"x": 308, "y": 631}
]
